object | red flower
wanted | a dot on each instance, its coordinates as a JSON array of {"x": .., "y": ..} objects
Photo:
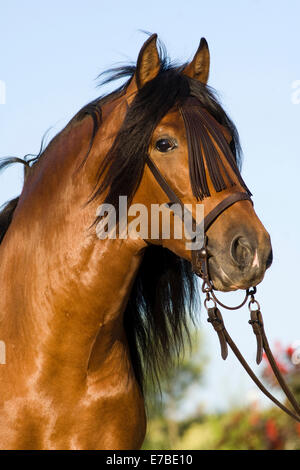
[
  {"x": 289, "y": 351},
  {"x": 271, "y": 430}
]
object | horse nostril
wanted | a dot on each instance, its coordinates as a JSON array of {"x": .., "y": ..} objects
[
  {"x": 241, "y": 251},
  {"x": 269, "y": 259}
]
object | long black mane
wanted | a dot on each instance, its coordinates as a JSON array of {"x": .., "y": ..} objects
[{"x": 164, "y": 293}]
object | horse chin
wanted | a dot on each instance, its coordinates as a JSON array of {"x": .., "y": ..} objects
[
  {"x": 223, "y": 282},
  {"x": 222, "y": 285}
]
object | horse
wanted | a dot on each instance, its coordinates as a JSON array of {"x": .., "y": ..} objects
[{"x": 88, "y": 322}]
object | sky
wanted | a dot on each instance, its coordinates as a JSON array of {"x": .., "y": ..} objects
[{"x": 51, "y": 54}]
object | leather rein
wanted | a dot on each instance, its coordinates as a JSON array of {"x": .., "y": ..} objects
[{"x": 200, "y": 267}]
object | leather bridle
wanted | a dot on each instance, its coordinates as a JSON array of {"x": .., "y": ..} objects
[{"x": 200, "y": 267}]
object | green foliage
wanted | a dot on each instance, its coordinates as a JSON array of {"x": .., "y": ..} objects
[
  {"x": 238, "y": 429},
  {"x": 165, "y": 407},
  {"x": 244, "y": 429}
]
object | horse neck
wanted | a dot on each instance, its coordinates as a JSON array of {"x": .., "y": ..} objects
[{"x": 65, "y": 287}]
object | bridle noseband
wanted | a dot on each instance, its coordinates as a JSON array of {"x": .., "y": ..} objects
[{"x": 200, "y": 267}]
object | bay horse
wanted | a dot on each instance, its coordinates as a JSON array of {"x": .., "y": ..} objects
[{"x": 86, "y": 321}]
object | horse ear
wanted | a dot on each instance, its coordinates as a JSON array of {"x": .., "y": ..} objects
[
  {"x": 147, "y": 68},
  {"x": 148, "y": 63},
  {"x": 199, "y": 67}
]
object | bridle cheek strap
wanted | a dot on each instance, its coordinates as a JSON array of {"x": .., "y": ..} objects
[{"x": 200, "y": 267}]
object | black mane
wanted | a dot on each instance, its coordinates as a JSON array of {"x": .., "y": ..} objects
[{"x": 165, "y": 289}]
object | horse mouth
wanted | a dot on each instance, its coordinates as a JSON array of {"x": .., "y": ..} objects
[{"x": 225, "y": 281}]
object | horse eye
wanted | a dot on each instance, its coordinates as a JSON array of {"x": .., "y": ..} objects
[{"x": 165, "y": 145}]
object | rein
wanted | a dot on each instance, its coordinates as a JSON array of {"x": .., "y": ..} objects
[{"x": 200, "y": 267}]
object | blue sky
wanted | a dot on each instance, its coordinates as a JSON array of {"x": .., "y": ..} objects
[{"x": 51, "y": 53}]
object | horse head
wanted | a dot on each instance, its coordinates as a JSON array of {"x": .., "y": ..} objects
[{"x": 173, "y": 120}]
